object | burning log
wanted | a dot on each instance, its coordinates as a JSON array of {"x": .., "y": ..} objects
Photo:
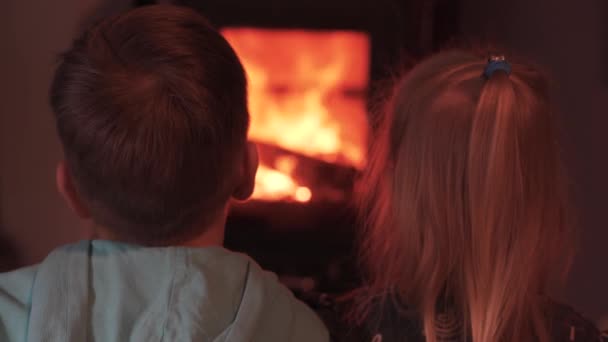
[{"x": 328, "y": 182}]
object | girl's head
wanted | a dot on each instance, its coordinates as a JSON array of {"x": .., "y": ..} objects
[{"x": 464, "y": 196}]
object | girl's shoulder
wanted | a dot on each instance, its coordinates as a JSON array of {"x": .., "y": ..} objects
[
  {"x": 566, "y": 324},
  {"x": 381, "y": 324},
  {"x": 390, "y": 321}
]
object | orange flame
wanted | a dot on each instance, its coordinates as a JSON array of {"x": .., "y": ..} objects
[
  {"x": 272, "y": 184},
  {"x": 307, "y": 95}
]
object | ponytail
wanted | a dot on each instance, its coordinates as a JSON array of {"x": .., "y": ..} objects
[{"x": 498, "y": 288}]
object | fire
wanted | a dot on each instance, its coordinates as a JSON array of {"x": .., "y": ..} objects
[
  {"x": 272, "y": 184},
  {"x": 306, "y": 95}
]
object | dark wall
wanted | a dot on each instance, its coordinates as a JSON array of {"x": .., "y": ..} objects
[
  {"x": 33, "y": 217},
  {"x": 569, "y": 38}
]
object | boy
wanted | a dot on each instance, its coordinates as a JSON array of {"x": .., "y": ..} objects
[{"x": 151, "y": 111}]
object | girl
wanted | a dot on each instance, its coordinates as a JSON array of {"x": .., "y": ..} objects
[{"x": 466, "y": 213}]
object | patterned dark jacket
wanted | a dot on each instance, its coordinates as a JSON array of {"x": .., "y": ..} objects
[{"x": 398, "y": 324}]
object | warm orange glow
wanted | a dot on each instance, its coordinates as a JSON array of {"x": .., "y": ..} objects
[
  {"x": 303, "y": 194},
  {"x": 275, "y": 185},
  {"x": 306, "y": 95}
]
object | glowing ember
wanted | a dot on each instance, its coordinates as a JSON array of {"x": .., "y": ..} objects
[
  {"x": 303, "y": 194},
  {"x": 275, "y": 185},
  {"x": 307, "y": 95}
]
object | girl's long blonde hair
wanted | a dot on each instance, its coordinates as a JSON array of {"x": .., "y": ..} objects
[{"x": 464, "y": 198}]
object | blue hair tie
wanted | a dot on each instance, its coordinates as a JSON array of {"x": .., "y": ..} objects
[{"x": 496, "y": 63}]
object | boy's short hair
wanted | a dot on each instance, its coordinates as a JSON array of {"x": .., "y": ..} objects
[{"x": 151, "y": 109}]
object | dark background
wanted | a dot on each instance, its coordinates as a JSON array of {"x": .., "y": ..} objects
[{"x": 569, "y": 38}]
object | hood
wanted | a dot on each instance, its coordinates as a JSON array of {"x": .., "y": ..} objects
[{"x": 107, "y": 291}]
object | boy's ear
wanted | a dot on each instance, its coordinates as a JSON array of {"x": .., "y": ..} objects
[
  {"x": 65, "y": 186},
  {"x": 246, "y": 184}
]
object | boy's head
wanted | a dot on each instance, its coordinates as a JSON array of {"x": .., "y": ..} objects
[{"x": 151, "y": 109}]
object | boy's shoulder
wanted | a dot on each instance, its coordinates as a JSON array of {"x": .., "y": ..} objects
[
  {"x": 248, "y": 302},
  {"x": 256, "y": 305},
  {"x": 18, "y": 281},
  {"x": 16, "y": 288},
  {"x": 15, "y": 302},
  {"x": 278, "y": 315}
]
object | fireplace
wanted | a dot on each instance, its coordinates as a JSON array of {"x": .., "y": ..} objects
[
  {"x": 307, "y": 101},
  {"x": 312, "y": 67}
]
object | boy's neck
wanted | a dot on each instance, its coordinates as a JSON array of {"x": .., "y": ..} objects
[{"x": 213, "y": 235}]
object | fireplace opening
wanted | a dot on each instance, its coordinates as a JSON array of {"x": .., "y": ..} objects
[{"x": 307, "y": 100}]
